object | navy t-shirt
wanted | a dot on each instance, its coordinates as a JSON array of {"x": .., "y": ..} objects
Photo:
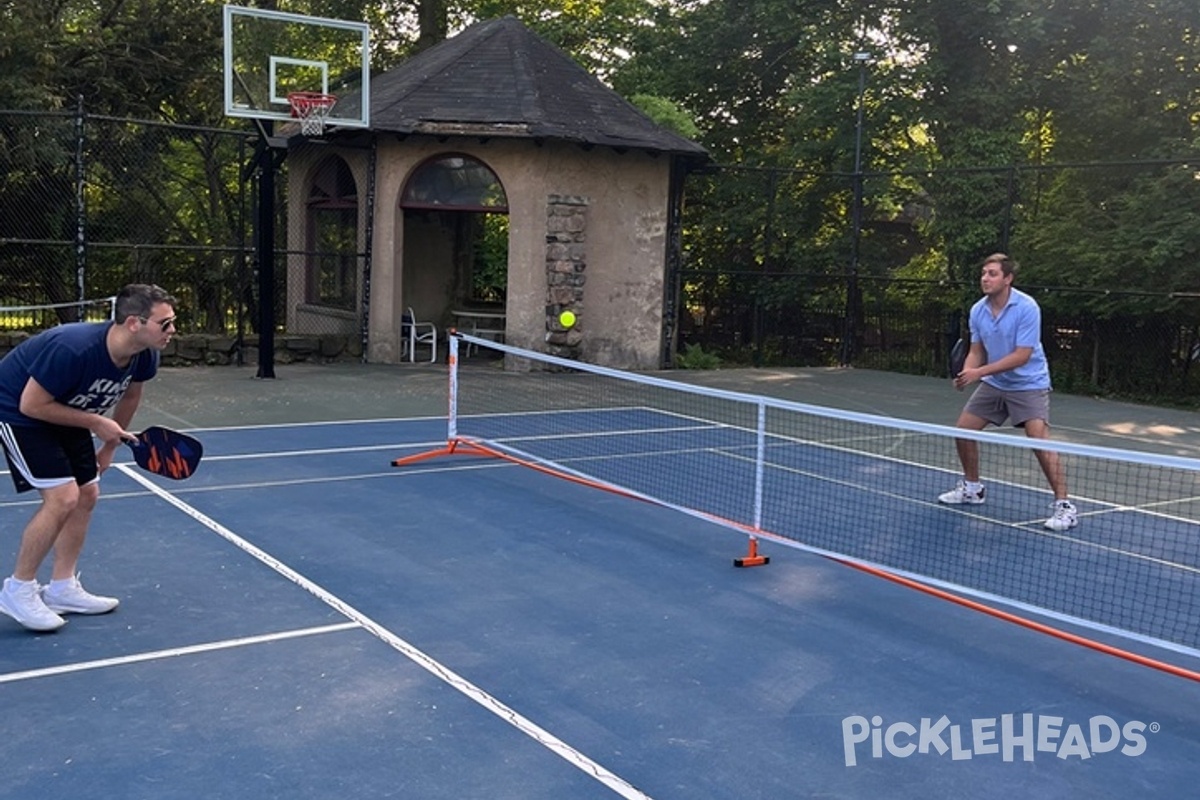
[{"x": 72, "y": 363}]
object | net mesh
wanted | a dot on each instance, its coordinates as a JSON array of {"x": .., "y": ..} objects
[
  {"x": 312, "y": 110},
  {"x": 864, "y": 487},
  {"x": 32, "y": 318}
]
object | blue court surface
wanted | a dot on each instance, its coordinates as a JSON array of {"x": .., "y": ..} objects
[{"x": 300, "y": 619}]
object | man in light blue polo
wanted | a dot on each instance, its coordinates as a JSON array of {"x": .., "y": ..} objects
[{"x": 1006, "y": 356}]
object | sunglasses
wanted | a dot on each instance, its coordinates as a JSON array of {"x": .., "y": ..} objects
[{"x": 163, "y": 324}]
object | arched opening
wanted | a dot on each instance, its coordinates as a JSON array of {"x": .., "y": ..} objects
[
  {"x": 331, "y": 225},
  {"x": 455, "y": 213}
]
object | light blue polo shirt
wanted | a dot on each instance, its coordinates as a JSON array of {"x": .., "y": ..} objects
[{"x": 1019, "y": 325}]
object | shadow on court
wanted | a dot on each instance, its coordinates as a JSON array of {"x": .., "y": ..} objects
[{"x": 302, "y": 620}]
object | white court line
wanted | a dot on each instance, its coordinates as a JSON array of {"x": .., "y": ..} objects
[
  {"x": 310, "y": 424},
  {"x": 362, "y": 476},
  {"x": 391, "y": 473},
  {"x": 321, "y": 451},
  {"x": 174, "y": 652},
  {"x": 543, "y": 737}
]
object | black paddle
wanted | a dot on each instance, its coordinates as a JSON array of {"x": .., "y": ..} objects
[{"x": 958, "y": 357}]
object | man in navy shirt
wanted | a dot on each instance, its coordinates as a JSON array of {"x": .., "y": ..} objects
[
  {"x": 1006, "y": 356},
  {"x": 55, "y": 390}
]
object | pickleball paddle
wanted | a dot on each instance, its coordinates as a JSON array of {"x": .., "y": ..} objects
[
  {"x": 958, "y": 357},
  {"x": 165, "y": 452}
]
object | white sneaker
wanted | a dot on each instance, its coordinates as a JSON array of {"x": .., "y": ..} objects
[
  {"x": 1065, "y": 516},
  {"x": 22, "y": 601},
  {"x": 69, "y": 597},
  {"x": 961, "y": 495}
]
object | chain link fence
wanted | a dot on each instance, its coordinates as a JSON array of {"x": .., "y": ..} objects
[
  {"x": 775, "y": 271},
  {"x": 777, "y": 268},
  {"x": 90, "y": 203}
]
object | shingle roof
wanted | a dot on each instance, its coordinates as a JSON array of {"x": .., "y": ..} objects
[{"x": 498, "y": 78}]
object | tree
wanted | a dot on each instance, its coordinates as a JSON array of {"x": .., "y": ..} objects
[{"x": 966, "y": 109}]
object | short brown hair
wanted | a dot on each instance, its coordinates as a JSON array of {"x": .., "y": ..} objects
[
  {"x": 1007, "y": 265},
  {"x": 137, "y": 300}
]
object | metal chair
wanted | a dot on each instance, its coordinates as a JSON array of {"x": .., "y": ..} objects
[{"x": 413, "y": 333}]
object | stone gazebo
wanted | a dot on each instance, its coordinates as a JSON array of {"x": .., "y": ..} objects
[{"x": 497, "y": 121}]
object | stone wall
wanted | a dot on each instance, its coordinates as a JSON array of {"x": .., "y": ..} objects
[
  {"x": 206, "y": 350},
  {"x": 566, "y": 272}
]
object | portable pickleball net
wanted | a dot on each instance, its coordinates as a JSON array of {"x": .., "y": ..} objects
[
  {"x": 39, "y": 317},
  {"x": 862, "y": 489}
]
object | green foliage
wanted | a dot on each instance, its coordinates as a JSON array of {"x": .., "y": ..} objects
[
  {"x": 965, "y": 110},
  {"x": 694, "y": 357},
  {"x": 489, "y": 276},
  {"x": 27, "y": 59},
  {"x": 132, "y": 59},
  {"x": 596, "y": 33},
  {"x": 1116, "y": 228},
  {"x": 667, "y": 114}
]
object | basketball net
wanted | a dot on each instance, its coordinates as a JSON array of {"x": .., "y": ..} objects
[{"x": 312, "y": 110}]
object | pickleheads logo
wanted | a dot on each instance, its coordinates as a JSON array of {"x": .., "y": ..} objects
[{"x": 1009, "y": 736}]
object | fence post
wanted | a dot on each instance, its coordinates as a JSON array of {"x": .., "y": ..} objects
[
  {"x": 369, "y": 243},
  {"x": 80, "y": 209},
  {"x": 673, "y": 309},
  {"x": 1008, "y": 208},
  {"x": 854, "y": 310},
  {"x": 768, "y": 235}
]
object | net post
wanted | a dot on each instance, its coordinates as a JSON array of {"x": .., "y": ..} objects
[
  {"x": 454, "y": 444},
  {"x": 752, "y": 558},
  {"x": 760, "y": 460},
  {"x": 452, "y": 411}
]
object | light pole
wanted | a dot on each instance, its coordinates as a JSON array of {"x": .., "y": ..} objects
[
  {"x": 853, "y": 293},
  {"x": 861, "y": 59}
]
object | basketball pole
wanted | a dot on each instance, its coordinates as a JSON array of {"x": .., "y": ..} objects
[{"x": 265, "y": 250}]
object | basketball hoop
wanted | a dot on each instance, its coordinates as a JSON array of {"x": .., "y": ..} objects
[{"x": 312, "y": 109}]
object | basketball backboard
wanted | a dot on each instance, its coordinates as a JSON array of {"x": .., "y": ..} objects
[{"x": 271, "y": 54}]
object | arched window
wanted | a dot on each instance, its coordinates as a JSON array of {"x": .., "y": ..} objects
[
  {"x": 455, "y": 182},
  {"x": 468, "y": 201},
  {"x": 332, "y": 274}
]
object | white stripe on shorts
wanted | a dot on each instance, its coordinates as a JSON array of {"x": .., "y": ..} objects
[{"x": 17, "y": 458}]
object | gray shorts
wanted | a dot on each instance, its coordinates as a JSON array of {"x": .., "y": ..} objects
[{"x": 996, "y": 405}]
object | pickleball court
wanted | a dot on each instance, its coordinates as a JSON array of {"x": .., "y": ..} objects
[{"x": 300, "y": 618}]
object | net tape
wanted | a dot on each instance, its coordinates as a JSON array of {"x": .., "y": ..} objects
[{"x": 46, "y": 315}]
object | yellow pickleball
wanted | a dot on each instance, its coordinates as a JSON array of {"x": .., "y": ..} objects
[{"x": 566, "y": 319}]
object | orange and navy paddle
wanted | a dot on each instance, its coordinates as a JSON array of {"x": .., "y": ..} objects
[{"x": 166, "y": 452}]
